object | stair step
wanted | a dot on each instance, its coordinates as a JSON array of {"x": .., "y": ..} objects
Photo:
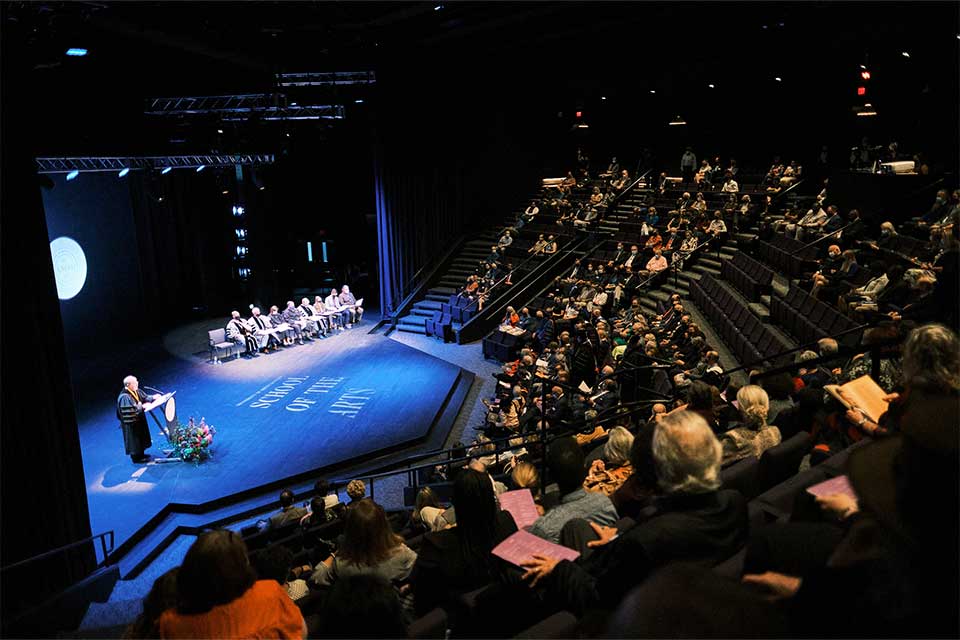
[
  {"x": 701, "y": 269},
  {"x": 441, "y": 291},
  {"x": 412, "y": 320},
  {"x": 427, "y": 305},
  {"x": 438, "y": 297},
  {"x": 407, "y": 328}
]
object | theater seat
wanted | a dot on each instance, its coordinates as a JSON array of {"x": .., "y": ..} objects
[
  {"x": 431, "y": 625},
  {"x": 782, "y": 461},
  {"x": 562, "y": 624},
  {"x": 742, "y": 476}
]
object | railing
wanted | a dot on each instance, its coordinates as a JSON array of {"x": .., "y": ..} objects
[
  {"x": 468, "y": 330},
  {"x": 419, "y": 279},
  {"x": 502, "y": 444},
  {"x": 105, "y": 550},
  {"x": 803, "y": 347},
  {"x": 633, "y": 185}
]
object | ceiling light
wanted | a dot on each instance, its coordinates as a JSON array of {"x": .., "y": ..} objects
[
  {"x": 652, "y": 91},
  {"x": 123, "y": 172},
  {"x": 778, "y": 79},
  {"x": 358, "y": 101},
  {"x": 201, "y": 168},
  {"x": 905, "y": 54},
  {"x": 438, "y": 7},
  {"x": 866, "y": 110},
  {"x": 166, "y": 170},
  {"x": 711, "y": 86},
  {"x": 864, "y": 67},
  {"x": 73, "y": 174},
  {"x": 677, "y": 122},
  {"x": 603, "y": 97},
  {"x": 225, "y": 192},
  {"x": 219, "y": 130},
  {"x": 74, "y": 51}
]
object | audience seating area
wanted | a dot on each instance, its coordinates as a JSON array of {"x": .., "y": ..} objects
[
  {"x": 788, "y": 255},
  {"x": 748, "y": 275},
  {"x": 748, "y": 337},
  {"x": 808, "y": 319}
]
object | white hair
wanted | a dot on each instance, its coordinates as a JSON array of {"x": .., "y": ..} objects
[
  {"x": 255, "y": 310},
  {"x": 686, "y": 454},
  {"x": 129, "y": 380},
  {"x": 617, "y": 449}
]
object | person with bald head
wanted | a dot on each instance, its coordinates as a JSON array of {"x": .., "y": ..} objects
[
  {"x": 133, "y": 420},
  {"x": 239, "y": 333}
]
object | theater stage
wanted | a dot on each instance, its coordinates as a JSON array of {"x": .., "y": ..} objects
[{"x": 320, "y": 406}]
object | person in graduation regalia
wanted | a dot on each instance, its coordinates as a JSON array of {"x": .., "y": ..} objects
[{"x": 133, "y": 420}]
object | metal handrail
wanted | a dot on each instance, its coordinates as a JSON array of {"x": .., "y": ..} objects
[
  {"x": 802, "y": 347},
  {"x": 103, "y": 547},
  {"x": 412, "y": 284}
]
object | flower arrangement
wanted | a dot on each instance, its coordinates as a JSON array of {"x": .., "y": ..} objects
[{"x": 192, "y": 441}]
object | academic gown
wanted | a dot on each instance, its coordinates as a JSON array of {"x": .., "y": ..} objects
[{"x": 133, "y": 421}]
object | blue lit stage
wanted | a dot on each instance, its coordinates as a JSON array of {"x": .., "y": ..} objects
[{"x": 346, "y": 398}]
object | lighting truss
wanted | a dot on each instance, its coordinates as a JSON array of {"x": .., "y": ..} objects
[
  {"x": 269, "y": 106},
  {"x": 87, "y": 164},
  {"x": 326, "y": 79}
]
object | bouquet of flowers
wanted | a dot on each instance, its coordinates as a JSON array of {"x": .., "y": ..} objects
[{"x": 192, "y": 441}]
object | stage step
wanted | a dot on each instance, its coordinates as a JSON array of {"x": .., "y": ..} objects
[
  {"x": 427, "y": 305},
  {"x": 438, "y": 297},
  {"x": 443, "y": 291}
]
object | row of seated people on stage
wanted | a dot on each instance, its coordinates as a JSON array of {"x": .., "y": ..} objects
[
  {"x": 295, "y": 323},
  {"x": 639, "y": 504}
]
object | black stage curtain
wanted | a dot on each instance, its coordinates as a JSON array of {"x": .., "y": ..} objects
[
  {"x": 44, "y": 500},
  {"x": 419, "y": 211}
]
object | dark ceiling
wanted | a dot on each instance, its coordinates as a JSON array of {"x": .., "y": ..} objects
[{"x": 562, "y": 55}]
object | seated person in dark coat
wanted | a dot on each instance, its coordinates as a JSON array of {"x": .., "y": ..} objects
[
  {"x": 694, "y": 522},
  {"x": 288, "y": 512},
  {"x": 454, "y": 561}
]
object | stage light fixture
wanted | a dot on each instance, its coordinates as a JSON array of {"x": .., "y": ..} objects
[
  {"x": 676, "y": 122},
  {"x": 866, "y": 111},
  {"x": 76, "y": 52},
  {"x": 201, "y": 168},
  {"x": 123, "y": 172},
  {"x": 73, "y": 174},
  {"x": 652, "y": 91},
  {"x": 778, "y": 79},
  {"x": 438, "y": 7},
  {"x": 220, "y": 131},
  {"x": 225, "y": 191},
  {"x": 865, "y": 74},
  {"x": 358, "y": 101},
  {"x": 711, "y": 86},
  {"x": 160, "y": 199},
  {"x": 905, "y": 54},
  {"x": 603, "y": 97},
  {"x": 861, "y": 91},
  {"x": 166, "y": 170}
]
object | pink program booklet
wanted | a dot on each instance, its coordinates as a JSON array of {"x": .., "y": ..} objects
[
  {"x": 521, "y": 506},
  {"x": 522, "y": 546},
  {"x": 840, "y": 484}
]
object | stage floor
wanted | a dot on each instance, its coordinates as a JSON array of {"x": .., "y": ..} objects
[{"x": 305, "y": 407}]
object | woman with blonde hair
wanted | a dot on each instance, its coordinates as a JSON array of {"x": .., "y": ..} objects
[
  {"x": 607, "y": 474},
  {"x": 754, "y": 435}
]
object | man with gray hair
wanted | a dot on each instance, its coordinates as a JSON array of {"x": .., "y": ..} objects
[{"x": 695, "y": 521}]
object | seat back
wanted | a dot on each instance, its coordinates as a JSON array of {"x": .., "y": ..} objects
[
  {"x": 741, "y": 476},
  {"x": 782, "y": 461},
  {"x": 216, "y": 336},
  {"x": 433, "y": 624}
]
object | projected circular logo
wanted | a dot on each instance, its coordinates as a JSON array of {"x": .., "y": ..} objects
[{"x": 69, "y": 266}]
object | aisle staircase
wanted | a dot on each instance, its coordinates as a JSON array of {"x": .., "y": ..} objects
[{"x": 453, "y": 279}]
